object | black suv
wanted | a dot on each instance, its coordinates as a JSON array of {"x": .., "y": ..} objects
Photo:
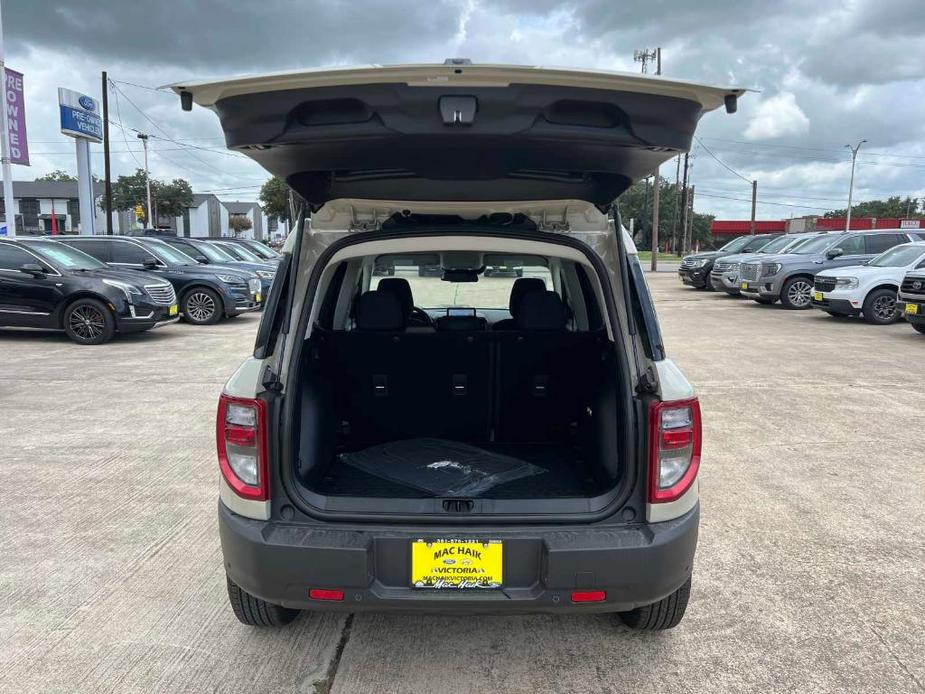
[
  {"x": 206, "y": 295},
  {"x": 217, "y": 257},
  {"x": 45, "y": 284},
  {"x": 695, "y": 269}
]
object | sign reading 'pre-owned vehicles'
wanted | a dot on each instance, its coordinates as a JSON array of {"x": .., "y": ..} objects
[{"x": 80, "y": 115}]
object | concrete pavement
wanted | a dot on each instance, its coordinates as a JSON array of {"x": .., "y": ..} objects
[{"x": 807, "y": 577}]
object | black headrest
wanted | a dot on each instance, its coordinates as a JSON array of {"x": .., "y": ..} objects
[
  {"x": 522, "y": 287},
  {"x": 542, "y": 311},
  {"x": 378, "y": 310},
  {"x": 401, "y": 289},
  {"x": 464, "y": 323}
]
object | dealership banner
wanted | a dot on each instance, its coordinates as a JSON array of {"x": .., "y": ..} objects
[{"x": 16, "y": 110}]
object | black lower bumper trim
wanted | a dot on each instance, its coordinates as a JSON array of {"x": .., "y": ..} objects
[{"x": 636, "y": 565}]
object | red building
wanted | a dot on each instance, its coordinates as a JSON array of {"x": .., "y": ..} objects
[{"x": 723, "y": 229}]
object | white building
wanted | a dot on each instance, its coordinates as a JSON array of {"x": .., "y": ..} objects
[{"x": 37, "y": 202}]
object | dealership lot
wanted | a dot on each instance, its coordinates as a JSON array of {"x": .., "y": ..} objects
[{"x": 807, "y": 576}]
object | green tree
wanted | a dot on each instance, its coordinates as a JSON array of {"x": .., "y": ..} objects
[
  {"x": 169, "y": 199},
  {"x": 636, "y": 204},
  {"x": 274, "y": 198},
  {"x": 57, "y": 175},
  {"x": 894, "y": 206}
]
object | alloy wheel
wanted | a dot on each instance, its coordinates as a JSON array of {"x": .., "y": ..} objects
[
  {"x": 885, "y": 308},
  {"x": 86, "y": 322},
  {"x": 799, "y": 293},
  {"x": 200, "y": 307}
]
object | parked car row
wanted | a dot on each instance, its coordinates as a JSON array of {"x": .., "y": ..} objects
[
  {"x": 878, "y": 275},
  {"x": 93, "y": 287}
]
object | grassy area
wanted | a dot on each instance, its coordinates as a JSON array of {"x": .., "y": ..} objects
[{"x": 647, "y": 255}]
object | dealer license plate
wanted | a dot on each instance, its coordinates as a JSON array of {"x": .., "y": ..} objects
[
  {"x": 456, "y": 563},
  {"x": 745, "y": 285},
  {"x": 912, "y": 309},
  {"x": 818, "y": 296},
  {"x": 258, "y": 298},
  {"x": 172, "y": 311}
]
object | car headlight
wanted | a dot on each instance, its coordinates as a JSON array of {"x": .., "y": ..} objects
[
  {"x": 254, "y": 285},
  {"x": 770, "y": 269},
  {"x": 230, "y": 279},
  {"x": 127, "y": 289},
  {"x": 733, "y": 267},
  {"x": 846, "y": 282},
  {"x": 699, "y": 263},
  {"x": 265, "y": 274}
]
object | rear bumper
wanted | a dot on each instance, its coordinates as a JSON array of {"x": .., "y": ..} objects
[{"x": 635, "y": 565}]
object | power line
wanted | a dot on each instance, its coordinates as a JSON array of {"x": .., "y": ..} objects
[
  {"x": 721, "y": 162},
  {"x": 762, "y": 202}
]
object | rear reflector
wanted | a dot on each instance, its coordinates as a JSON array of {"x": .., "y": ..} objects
[
  {"x": 589, "y": 595},
  {"x": 323, "y": 594}
]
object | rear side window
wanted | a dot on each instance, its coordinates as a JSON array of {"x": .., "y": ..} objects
[
  {"x": 13, "y": 258},
  {"x": 877, "y": 243},
  {"x": 129, "y": 254},
  {"x": 97, "y": 249}
]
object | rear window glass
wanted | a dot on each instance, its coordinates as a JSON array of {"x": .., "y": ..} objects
[{"x": 492, "y": 291}]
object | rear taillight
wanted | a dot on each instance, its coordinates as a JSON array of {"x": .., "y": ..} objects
[
  {"x": 241, "y": 438},
  {"x": 674, "y": 448}
]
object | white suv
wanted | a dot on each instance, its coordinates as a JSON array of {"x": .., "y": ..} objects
[
  {"x": 869, "y": 289},
  {"x": 444, "y": 441}
]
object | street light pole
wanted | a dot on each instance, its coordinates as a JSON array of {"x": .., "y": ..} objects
[
  {"x": 854, "y": 158},
  {"x": 144, "y": 142}
]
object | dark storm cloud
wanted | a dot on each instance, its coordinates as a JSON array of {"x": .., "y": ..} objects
[
  {"x": 828, "y": 72},
  {"x": 230, "y": 35}
]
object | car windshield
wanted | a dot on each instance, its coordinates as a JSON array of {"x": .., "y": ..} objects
[
  {"x": 778, "y": 244},
  {"x": 815, "y": 245},
  {"x": 737, "y": 244},
  {"x": 65, "y": 256},
  {"x": 214, "y": 253},
  {"x": 169, "y": 254},
  {"x": 242, "y": 253},
  {"x": 489, "y": 292},
  {"x": 899, "y": 256},
  {"x": 265, "y": 252}
]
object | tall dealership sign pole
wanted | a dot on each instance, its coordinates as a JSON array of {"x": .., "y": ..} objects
[
  {"x": 9, "y": 213},
  {"x": 80, "y": 119}
]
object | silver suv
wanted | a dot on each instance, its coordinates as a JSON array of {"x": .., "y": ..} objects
[
  {"x": 725, "y": 273},
  {"x": 789, "y": 277},
  {"x": 458, "y": 443}
]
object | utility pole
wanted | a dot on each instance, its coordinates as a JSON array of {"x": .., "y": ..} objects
[
  {"x": 655, "y": 199},
  {"x": 754, "y": 203},
  {"x": 144, "y": 142},
  {"x": 107, "y": 182},
  {"x": 9, "y": 212},
  {"x": 689, "y": 235},
  {"x": 644, "y": 56},
  {"x": 854, "y": 159},
  {"x": 677, "y": 205},
  {"x": 684, "y": 206}
]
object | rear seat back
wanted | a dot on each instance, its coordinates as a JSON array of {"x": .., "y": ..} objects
[{"x": 526, "y": 385}]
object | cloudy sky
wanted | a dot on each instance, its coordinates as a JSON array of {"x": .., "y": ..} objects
[{"x": 828, "y": 72}]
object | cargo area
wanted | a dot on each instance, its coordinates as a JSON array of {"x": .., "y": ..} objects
[{"x": 446, "y": 402}]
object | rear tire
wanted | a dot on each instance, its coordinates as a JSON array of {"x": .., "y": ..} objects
[
  {"x": 255, "y": 612},
  {"x": 880, "y": 307},
  {"x": 661, "y": 615},
  {"x": 202, "y": 306},
  {"x": 89, "y": 322},
  {"x": 797, "y": 293}
]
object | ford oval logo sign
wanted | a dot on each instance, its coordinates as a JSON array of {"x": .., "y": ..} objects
[{"x": 87, "y": 103}]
